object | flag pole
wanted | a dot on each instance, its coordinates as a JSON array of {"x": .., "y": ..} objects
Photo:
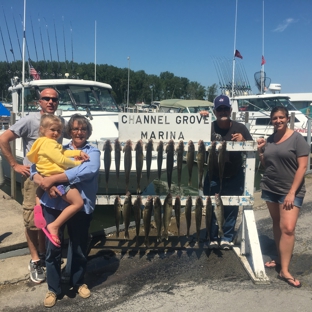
[
  {"x": 23, "y": 69},
  {"x": 233, "y": 71}
]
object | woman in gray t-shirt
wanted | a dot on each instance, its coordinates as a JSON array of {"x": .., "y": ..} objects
[{"x": 285, "y": 158}]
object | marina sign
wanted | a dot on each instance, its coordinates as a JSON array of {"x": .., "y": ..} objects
[{"x": 164, "y": 127}]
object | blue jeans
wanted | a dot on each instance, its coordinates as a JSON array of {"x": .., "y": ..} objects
[
  {"x": 78, "y": 232},
  {"x": 230, "y": 186}
]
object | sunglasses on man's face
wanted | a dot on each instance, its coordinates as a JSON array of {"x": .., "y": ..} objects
[
  {"x": 223, "y": 109},
  {"x": 47, "y": 99}
]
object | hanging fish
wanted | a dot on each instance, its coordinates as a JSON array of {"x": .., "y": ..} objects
[
  {"x": 127, "y": 161},
  {"x": 117, "y": 210},
  {"x": 139, "y": 163},
  {"x": 149, "y": 149},
  {"x": 198, "y": 215},
  {"x": 157, "y": 217},
  {"x": 188, "y": 214},
  {"x": 212, "y": 161},
  {"x": 201, "y": 153},
  {"x": 190, "y": 160},
  {"x": 208, "y": 217},
  {"x": 180, "y": 152},
  {"x": 160, "y": 151},
  {"x": 167, "y": 214},
  {"x": 221, "y": 162},
  {"x": 147, "y": 215},
  {"x": 219, "y": 213},
  {"x": 117, "y": 148},
  {"x": 137, "y": 216},
  {"x": 126, "y": 212},
  {"x": 177, "y": 212},
  {"x": 169, "y": 161},
  {"x": 107, "y": 148}
]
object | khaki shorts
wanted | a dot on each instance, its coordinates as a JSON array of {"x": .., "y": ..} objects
[{"x": 29, "y": 189}]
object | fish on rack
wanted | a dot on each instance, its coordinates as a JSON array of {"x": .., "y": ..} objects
[
  {"x": 139, "y": 158},
  {"x": 107, "y": 148},
  {"x": 208, "y": 217},
  {"x": 221, "y": 162},
  {"x": 167, "y": 214},
  {"x": 212, "y": 161},
  {"x": 177, "y": 212},
  {"x": 190, "y": 160},
  {"x": 160, "y": 151},
  {"x": 149, "y": 149},
  {"x": 180, "y": 152},
  {"x": 198, "y": 215},
  {"x": 169, "y": 161},
  {"x": 201, "y": 154},
  {"x": 188, "y": 214},
  {"x": 157, "y": 217},
  {"x": 137, "y": 216},
  {"x": 117, "y": 148},
  {"x": 147, "y": 215},
  {"x": 126, "y": 213},
  {"x": 117, "y": 210},
  {"x": 219, "y": 213},
  {"x": 127, "y": 162}
]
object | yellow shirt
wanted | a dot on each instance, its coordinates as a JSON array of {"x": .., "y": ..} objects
[{"x": 50, "y": 158}]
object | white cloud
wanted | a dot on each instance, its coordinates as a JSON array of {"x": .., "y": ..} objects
[{"x": 281, "y": 27}]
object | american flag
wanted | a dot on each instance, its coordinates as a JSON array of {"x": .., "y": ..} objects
[{"x": 33, "y": 73}]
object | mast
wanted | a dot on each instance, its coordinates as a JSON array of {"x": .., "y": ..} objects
[
  {"x": 262, "y": 63},
  {"x": 95, "y": 51},
  {"x": 233, "y": 75},
  {"x": 23, "y": 71}
]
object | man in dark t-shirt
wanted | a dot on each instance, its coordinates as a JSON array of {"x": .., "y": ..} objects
[{"x": 225, "y": 129}]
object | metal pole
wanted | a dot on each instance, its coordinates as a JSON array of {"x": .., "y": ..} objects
[{"x": 128, "y": 58}]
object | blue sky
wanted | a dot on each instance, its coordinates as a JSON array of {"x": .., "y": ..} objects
[{"x": 179, "y": 36}]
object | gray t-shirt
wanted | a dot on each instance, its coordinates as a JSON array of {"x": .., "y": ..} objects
[
  {"x": 27, "y": 128},
  {"x": 281, "y": 164}
]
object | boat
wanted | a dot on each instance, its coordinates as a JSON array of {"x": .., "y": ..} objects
[
  {"x": 259, "y": 107},
  {"x": 185, "y": 106},
  {"x": 94, "y": 100}
]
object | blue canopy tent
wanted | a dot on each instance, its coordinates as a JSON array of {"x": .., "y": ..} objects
[{"x": 4, "y": 112}]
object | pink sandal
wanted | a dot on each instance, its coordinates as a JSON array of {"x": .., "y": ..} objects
[{"x": 41, "y": 223}]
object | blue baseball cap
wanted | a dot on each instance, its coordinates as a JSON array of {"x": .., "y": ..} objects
[{"x": 221, "y": 100}]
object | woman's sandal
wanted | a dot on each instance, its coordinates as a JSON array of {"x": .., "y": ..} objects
[{"x": 289, "y": 280}]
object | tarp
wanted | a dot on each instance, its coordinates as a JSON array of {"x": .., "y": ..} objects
[{"x": 4, "y": 111}]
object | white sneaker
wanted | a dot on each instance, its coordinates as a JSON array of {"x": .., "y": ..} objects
[
  {"x": 213, "y": 245},
  {"x": 225, "y": 245}
]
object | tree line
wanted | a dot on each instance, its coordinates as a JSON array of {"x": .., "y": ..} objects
[{"x": 143, "y": 87}]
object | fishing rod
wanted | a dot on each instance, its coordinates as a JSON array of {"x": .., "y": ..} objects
[
  {"x": 48, "y": 38},
  {"x": 33, "y": 34},
  {"x": 6, "y": 56},
  {"x": 57, "y": 52},
  {"x": 18, "y": 40},
  {"x": 11, "y": 50},
  {"x": 64, "y": 44},
  {"x": 42, "y": 47},
  {"x": 25, "y": 38},
  {"x": 218, "y": 75}
]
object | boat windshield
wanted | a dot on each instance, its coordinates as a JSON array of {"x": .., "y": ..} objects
[
  {"x": 74, "y": 98},
  {"x": 264, "y": 104}
]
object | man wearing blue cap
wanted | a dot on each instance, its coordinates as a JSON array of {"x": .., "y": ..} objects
[{"x": 225, "y": 129}]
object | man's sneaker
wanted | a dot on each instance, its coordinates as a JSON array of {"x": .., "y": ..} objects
[
  {"x": 37, "y": 274},
  {"x": 50, "y": 299},
  {"x": 213, "y": 245},
  {"x": 225, "y": 245},
  {"x": 84, "y": 291}
]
